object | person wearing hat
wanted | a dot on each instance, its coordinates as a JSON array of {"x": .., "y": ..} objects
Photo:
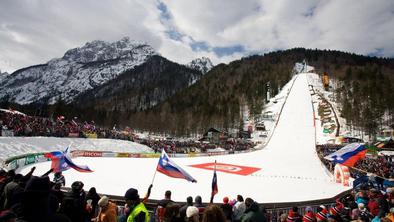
[
  {"x": 34, "y": 203},
  {"x": 74, "y": 203},
  {"x": 227, "y": 209},
  {"x": 293, "y": 215},
  {"x": 59, "y": 178},
  {"x": 309, "y": 215},
  {"x": 322, "y": 214},
  {"x": 108, "y": 210},
  {"x": 192, "y": 214},
  {"x": 138, "y": 211}
]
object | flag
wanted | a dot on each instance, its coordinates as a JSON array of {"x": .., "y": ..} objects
[
  {"x": 214, "y": 184},
  {"x": 171, "y": 169},
  {"x": 348, "y": 155},
  {"x": 61, "y": 161}
]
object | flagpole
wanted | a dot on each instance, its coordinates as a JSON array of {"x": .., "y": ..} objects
[{"x": 154, "y": 175}]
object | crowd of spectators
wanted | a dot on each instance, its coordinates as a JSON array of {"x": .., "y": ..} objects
[
  {"x": 381, "y": 166},
  {"x": 24, "y": 125},
  {"x": 30, "y": 198},
  {"x": 190, "y": 146}
]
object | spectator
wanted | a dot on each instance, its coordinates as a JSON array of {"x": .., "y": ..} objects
[
  {"x": 9, "y": 189},
  {"x": 138, "y": 211},
  {"x": 107, "y": 212},
  {"x": 227, "y": 209},
  {"x": 34, "y": 203},
  {"x": 198, "y": 204},
  {"x": 252, "y": 212},
  {"x": 213, "y": 213},
  {"x": 189, "y": 202},
  {"x": 93, "y": 198},
  {"x": 192, "y": 214},
  {"x": 73, "y": 204},
  {"x": 161, "y": 206},
  {"x": 239, "y": 208},
  {"x": 171, "y": 213},
  {"x": 293, "y": 215},
  {"x": 321, "y": 214},
  {"x": 59, "y": 178},
  {"x": 309, "y": 217}
]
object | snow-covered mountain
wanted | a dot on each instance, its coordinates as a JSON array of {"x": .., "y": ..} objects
[
  {"x": 80, "y": 69},
  {"x": 3, "y": 75},
  {"x": 202, "y": 64}
]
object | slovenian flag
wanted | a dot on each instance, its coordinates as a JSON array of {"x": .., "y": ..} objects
[
  {"x": 171, "y": 169},
  {"x": 61, "y": 161},
  {"x": 214, "y": 184},
  {"x": 349, "y": 154}
]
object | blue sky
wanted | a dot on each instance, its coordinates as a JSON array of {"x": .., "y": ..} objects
[{"x": 35, "y": 31}]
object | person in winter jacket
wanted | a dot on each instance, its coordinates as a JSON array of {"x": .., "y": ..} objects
[
  {"x": 227, "y": 209},
  {"x": 92, "y": 197},
  {"x": 161, "y": 206},
  {"x": 293, "y": 215},
  {"x": 239, "y": 208},
  {"x": 137, "y": 210},
  {"x": 189, "y": 202},
  {"x": 9, "y": 190},
  {"x": 73, "y": 204},
  {"x": 59, "y": 178},
  {"x": 213, "y": 213},
  {"x": 252, "y": 212},
  {"x": 309, "y": 216},
  {"x": 108, "y": 210}
]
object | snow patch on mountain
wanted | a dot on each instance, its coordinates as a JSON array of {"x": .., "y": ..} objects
[
  {"x": 80, "y": 69},
  {"x": 202, "y": 64}
]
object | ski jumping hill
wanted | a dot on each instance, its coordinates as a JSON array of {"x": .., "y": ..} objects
[{"x": 287, "y": 169}]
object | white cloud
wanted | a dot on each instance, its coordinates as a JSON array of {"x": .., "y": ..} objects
[{"x": 35, "y": 31}]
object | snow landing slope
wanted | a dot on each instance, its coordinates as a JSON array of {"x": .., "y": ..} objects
[{"x": 289, "y": 168}]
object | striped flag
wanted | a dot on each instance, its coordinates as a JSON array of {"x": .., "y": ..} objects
[
  {"x": 214, "y": 184},
  {"x": 170, "y": 168}
]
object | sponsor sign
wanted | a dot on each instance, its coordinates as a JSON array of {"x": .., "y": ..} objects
[
  {"x": 91, "y": 135},
  {"x": 228, "y": 168},
  {"x": 92, "y": 154},
  {"x": 73, "y": 135},
  {"x": 123, "y": 155},
  {"x": 7, "y": 133},
  {"x": 30, "y": 159}
]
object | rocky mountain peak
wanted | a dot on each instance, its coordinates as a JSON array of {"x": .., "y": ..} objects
[
  {"x": 98, "y": 50},
  {"x": 202, "y": 64}
]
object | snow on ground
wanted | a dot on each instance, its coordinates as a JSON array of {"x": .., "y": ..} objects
[
  {"x": 13, "y": 146},
  {"x": 290, "y": 169}
]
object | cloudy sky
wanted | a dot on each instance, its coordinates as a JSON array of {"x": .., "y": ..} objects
[{"x": 35, "y": 31}]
